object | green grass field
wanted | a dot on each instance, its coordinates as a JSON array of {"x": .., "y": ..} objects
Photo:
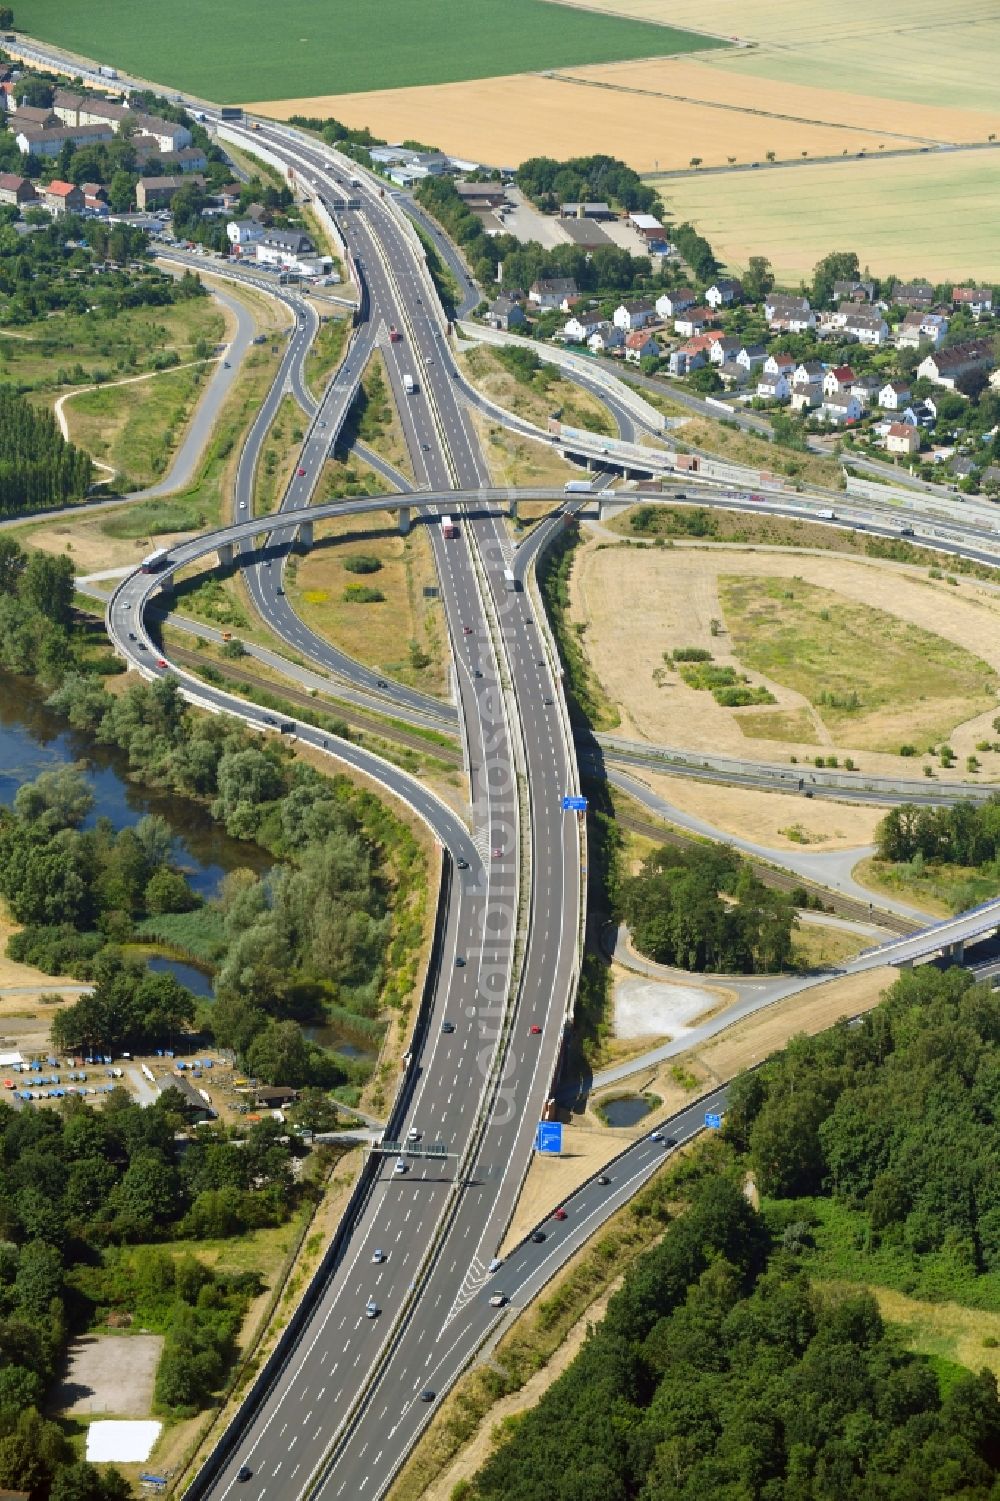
[
  {"x": 915, "y": 687},
  {"x": 936, "y": 216},
  {"x": 230, "y": 51}
]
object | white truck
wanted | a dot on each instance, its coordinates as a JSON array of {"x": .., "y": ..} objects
[
  {"x": 578, "y": 487},
  {"x": 108, "y": 72},
  {"x": 409, "y": 385}
]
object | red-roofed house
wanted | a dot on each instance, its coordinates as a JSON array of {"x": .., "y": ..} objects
[
  {"x": 641, "y": 345},
  {"x": 840, "y": 379},
  {"x": 62, "y": 198},
  {"x": 901, "y": 438},
  {"x": 978, "y": 300}
]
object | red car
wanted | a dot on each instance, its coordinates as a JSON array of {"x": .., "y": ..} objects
[
  {"x": 534, "y": 1030},
  {"x": 161, "y": 661},
  {"x": 467, "y": 630},
  {"x": 300, "y": 473},
  {"x": 559, "y": 1214}
]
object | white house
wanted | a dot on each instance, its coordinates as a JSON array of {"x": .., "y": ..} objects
[
  {"x": 751, "y": 355},
  {"x": 692, "y": 322},
  {"x": 724, "y": 292},
  {"x": 841, "y": 409},
  {"x": 580, "y": 327},
  {"x": 840, "y": 378},
  {"x": 243, "y": 232},
  {"x": 288, "y": 249},
  {"x": 553, "y": 292},
  {"x": 947, "y": 367},
  {"x": 669, "y": 304},
  {"x": 865, "y": 388},
  {"x": 773, "y": 387},
  {"x": 806, "y": 398},
  {"x": 779, "y": 364},
  {"x": 866, "y": 325},
  {"x": 606, "y": 339},
  {"x": 792, "y": 314},
  {"x": 894, "y": 396},
  {"x": 726, "y": 348},
  {"x": 808, "y": 374},
  {"x": 632, "y": 315}
]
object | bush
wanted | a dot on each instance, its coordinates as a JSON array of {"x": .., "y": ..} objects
[
  {"x": 363, "y": 594},
  {"x": 907, "y": 750},
  {"x": 692, "y": 654},
  {"x": 362, "y": 562}
]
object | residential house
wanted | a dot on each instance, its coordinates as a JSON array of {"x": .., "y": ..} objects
[
  {"x": 288, "y": 249},
  {"x": 95, "y": 197},
  {"x": 809, "y": 373},
  {"x": 726, "y": 348},
  {"x": 641, "y": 345},
  {"x": 733, "y": 374},
  {"x": 168, "y": 134},
  {"x": 632, "y": 315},
  {"x": 841, "y": 409},
  {"x": 505, "y": 314},
  {"x": 920, "y": 327},
  {"x": 894, "y": 396},
  {"x": 752, "y": 355},
  {"x": 865, "y": 324},
  {"x": 586, "y": 211},
  {"x": 962, "y": 466},
  {"x": 159, "y": 192},
  {"x": 553, "y": 292},
  {"x": 670, "y": 304},
  {"x": 73, "y": 108},
  {"x": 902, "y": 439},
  {"x": 30, "y": 117},
  {"x": 866, "y": 388},
  {"x": 976, "y": 300},
  {"x": 773, "y": 387},
  {"x": 779, "y": 364},
  {"x": 149, "y": 156},
  {"x": 62, "y": 198},
  {"x": 649, "y": 227},
  {"x": 789, "y": 314},
  {"x": 243, "y": 232},
  {"x": 724, "y": 292},
  {"x": 694, "y": 321},
  {"x": 915, "y": 294},
  {"x": 839, "y": 379},
  {"x": 806, "y": 398},
  {"x": 990, "y": 478},
  {"x": 854, "y": 291},
  {"x": 16, "y": 190},
  {"x": 40, "y": 141},
  {"x": 580, "y": 327},
  {"x": 606, "y": 339},
  {"x": 949, "y": 367},
  {"x": 686, "y": 359}
]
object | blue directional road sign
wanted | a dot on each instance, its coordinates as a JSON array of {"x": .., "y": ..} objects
[
  {"x": 713, "y": 1121},
  {"x": 548, "y": 1137},
  {"x": 574, "y": 804}
]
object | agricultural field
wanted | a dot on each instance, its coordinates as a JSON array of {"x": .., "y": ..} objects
[
  {"x": 231, "y": 52},
  {"x": 796, "y": 215},
  {"x": 923, "y": 684}
]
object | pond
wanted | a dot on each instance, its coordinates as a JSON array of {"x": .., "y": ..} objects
[
  {"x": 32, "y": 739},
  {"x": 627, "y": 1110}
]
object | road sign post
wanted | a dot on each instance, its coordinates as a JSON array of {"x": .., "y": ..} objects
[{"x": 548, "y": 1138}]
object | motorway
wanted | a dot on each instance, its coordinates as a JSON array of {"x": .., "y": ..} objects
[{"x": 346, "y": 1404}]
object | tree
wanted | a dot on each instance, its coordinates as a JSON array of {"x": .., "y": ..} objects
[
  {"x": 61, "y": 797},
  {"x": 121, "y": 191},
  {"x": 167, "y": 891},
  {"x": 48, "y": 585},
  {"x": 839, "y": 265},
  {"x": 6, "y": 18},
  {"x": 758, "y": 279}
]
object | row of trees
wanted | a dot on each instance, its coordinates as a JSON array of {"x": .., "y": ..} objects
[
  {"x": 721, "y": 1370},
  {"x": 704, "y": 909},
  {"x": 38, "y": 467},
  {"x": 964, "y": 834}
]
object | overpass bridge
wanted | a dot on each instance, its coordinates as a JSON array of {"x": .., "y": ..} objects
[{"x": 947, "y": 938}]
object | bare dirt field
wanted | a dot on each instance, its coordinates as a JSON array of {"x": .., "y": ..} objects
[
  {"x": 674, "y": 596},
  {"x": 110, "y": 1373},
  {"x": 766, "y": 817}
]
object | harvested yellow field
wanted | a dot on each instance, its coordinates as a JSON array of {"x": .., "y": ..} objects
[
  {"x": 877, "y": 208},
  {"x": 927, "y": 52},
  {"x": 505, "y": 120},
  {"x": 766, "y": 817}
]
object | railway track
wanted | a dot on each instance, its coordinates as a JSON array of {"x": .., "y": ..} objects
[{"x": 779, "y": 880}]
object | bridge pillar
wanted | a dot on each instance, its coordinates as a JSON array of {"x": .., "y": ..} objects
[
  {"x": 227, "y": 553},
  {"x": 955, "y": 950},
  {"x": 905, "y": 964},
  {"x": 167, "y": 584},
  {"x": 404, "y": 521},
  {"x": 304, "y": 536},
  {"x": 512, "y": 504}
]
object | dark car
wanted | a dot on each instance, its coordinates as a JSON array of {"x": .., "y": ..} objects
[
  {"x": 459, "y": 962},
  {"x": 427, "y": 1395},
  {"x": 604, "y": 1180},
  {"x": 462, "y": 864},
  {"x": 537, "y": 1236},
  {"x": 244, "y": 1473},
  {"x": 448, "y": 1027}
]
